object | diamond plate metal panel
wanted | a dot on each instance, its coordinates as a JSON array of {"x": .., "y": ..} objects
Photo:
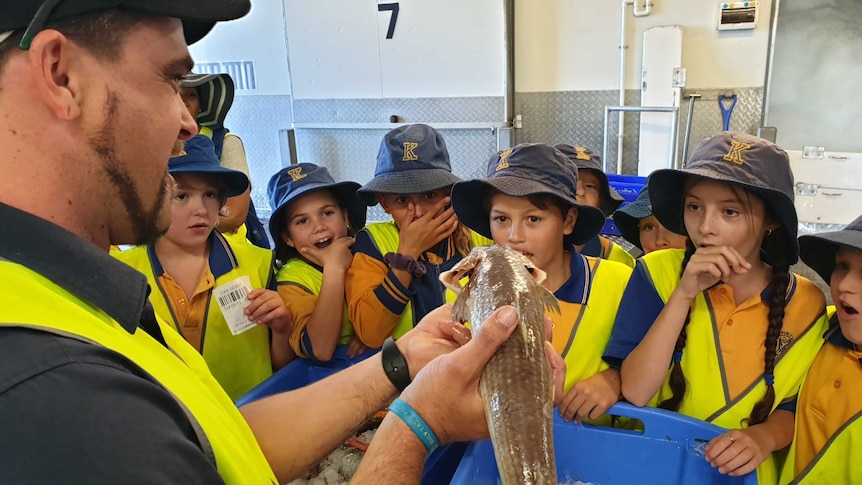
[
  {"x": 706, "y": 119},
  {"x": 352, "y": 154},
  {"x": 578, "y": 116},
  {"x": 409, "y": 110},
  {"x": 257, "y": 119}
]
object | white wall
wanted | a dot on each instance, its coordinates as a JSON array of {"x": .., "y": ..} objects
[
  {"x": 258, "y": 37},
  {"x": 571, "y": 45}
]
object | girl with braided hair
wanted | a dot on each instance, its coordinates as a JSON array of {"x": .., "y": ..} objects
[{"x": 722, "y": 331}]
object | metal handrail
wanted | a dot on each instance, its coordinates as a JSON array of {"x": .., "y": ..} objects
[{"x": 673, "y": 110}]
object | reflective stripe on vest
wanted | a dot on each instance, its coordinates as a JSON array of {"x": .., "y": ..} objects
[
  {"x": 298, "y": 272},
  {"x": 239, "y": 362},
  {"x": 29, "y": 300},
  {"x": 706, "y": 397}
]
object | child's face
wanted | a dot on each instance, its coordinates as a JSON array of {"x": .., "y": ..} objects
[
  {"x": 396, "y": 205},
  {"x": 846, "y": 286},
  {"x": 537, "y": 233},
  {"x": 314, "y": 219},
  {"x": 716, "y": 215},
  {"x": 190, "y": 99},
  {"x": 589, "y": 189},
  {"x": 194, "y": 210},
  {"x": 655, "y": 236}
]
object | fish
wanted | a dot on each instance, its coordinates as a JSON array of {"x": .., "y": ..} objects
[{"x": 516, "y": 385}]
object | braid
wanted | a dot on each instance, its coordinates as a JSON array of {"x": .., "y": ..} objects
[
  {"x": 463, "y": 239},
  {"x": 777, "y": 303},
  {"x": 677, "y": 378}
]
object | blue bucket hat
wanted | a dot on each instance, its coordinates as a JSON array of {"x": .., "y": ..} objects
[
  {"x": 198, "y": 156},
  {"x": 818, "y": 250},
  {"x": 412, "y": 159},
  {"x": 585, "y": 159},
  {"x": 215, "y": 95},
  {"x": 296, "y": 180},
  {"x": 527, "y": 169},
  {"x": 627, "y": 218},
  {"x": 739, "y": 159}
]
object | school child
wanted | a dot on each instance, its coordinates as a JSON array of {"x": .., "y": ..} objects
[
  {"x": 826, "y": 444},
  {"x": 595, "y": 190},
  {"x": 393, "y": 281},
  {"x": 190, "y": 266},
  {"x": 208, "y": 98},
  {"x": 528, "y": 202},
  {"x": 736, "y": 329},
  {"x": 313, "y": 222},
  {"x": 639, "y": 226}
]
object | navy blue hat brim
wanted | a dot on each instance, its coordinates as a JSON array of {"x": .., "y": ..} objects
[
  {"x": 468, "y": 201},
  {"x": 345, "y": 193},
  {"x": 818, "y": 250},
  {"x": 667, "y": 191},
  {"x": 235, "y": 181},
  {"x": 406, "y": 182},
  {"x": 627, "y": 219}
]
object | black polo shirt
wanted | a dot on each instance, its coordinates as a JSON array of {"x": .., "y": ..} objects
[{"x": 73, "y": 412}]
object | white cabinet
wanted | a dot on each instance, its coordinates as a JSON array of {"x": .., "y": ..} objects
[
  {"x": 388, "y": 49},
  {"x": 828, "y": 189}
]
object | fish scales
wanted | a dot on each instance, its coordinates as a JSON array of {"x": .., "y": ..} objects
[{"x": 516, "y": 384}]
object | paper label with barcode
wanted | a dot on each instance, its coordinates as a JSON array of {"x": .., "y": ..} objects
[{"x": 231, "y": 298}]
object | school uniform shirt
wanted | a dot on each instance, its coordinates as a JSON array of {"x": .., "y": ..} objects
[
  {"x": 588, "y": 307},
  {"x": 604, "y": 248},
  {"x": 826, "y": 446},
  {"x": 239, "y": 362},
  {"x": 379, "y": 305},
  {"x": 299, "y": 284},
  {"x": 723, "y": 359}
]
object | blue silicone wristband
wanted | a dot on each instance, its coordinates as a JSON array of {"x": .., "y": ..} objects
[{"x": 415, "y": 423}]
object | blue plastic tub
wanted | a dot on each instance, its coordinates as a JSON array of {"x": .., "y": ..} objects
[
  {"x": 668, "y": 451},
  {"x": 628, "y": 186},
  {"x": 439, "y": 466}
]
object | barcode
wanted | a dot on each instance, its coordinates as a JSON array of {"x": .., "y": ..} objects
[{"x": 234, "y": 296}]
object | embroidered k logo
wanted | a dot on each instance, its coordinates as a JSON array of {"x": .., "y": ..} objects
[
  {"x": 581, "y": 153},
  {"x": 504, "y": 160},
  {"x": 735, "y": 153},
  {"x": 296, "y": 174},
  {"x": 409, "y": 146}
]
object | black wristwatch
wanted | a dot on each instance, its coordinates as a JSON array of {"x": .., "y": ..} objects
[{"x": 395, "y": 365}]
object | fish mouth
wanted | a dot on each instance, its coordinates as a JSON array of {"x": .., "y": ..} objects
[{"x": 323, "y": 242}]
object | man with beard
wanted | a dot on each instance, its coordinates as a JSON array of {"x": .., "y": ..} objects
[{"x": 93, "y": 388}]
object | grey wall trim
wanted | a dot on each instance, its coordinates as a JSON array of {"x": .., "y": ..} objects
[{"x": 442, "y": 110}]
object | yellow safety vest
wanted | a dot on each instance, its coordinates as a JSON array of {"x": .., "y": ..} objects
[
  {"x": 238, "y": 362},
  {"x": 614, "y": 252},
  {"x": 704, "y": 397},
  {"x": 587, "y": 336},
  {"x": 838, "y": 461},
  {"x": 299, "y": 273},
  {"x": 30, "y": 300},
  {"x": 385, "y": 237}
]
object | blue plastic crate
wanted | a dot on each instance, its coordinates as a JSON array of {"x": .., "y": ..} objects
[
  {"x": 439, "y": 466},
  {"x": 668, "y": 451},
  {"x": 628, "y": 186}
]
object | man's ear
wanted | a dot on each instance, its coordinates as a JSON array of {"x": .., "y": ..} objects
[{"x": 51, "y": 61}]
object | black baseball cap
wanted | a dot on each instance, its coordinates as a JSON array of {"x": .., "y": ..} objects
[
  {"x": 198, "y": 17},
  {"x": 818, "y": 250},
  {"x": 739, "y": 159},
  {"x": 527, "y": 169}
]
